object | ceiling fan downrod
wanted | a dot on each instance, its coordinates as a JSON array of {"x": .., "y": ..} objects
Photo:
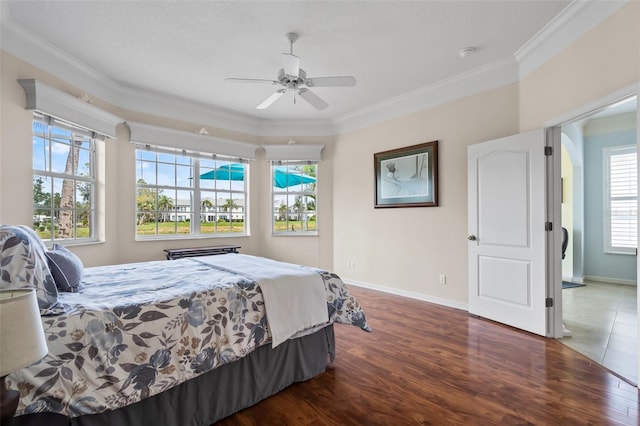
[{"x": 292, "y": 37}]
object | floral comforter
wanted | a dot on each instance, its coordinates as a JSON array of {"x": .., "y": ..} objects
[{"x": 135, "y": 330}]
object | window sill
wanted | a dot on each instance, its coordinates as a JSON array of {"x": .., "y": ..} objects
[
  {"x": 72, "y": 243},
  {"x": 189, "y": 237},
  {"x": 624, "y": 253},
  {"x": 294, "y": 234}
]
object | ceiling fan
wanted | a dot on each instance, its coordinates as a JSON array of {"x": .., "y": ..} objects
[{"x": 292, "y": 77}]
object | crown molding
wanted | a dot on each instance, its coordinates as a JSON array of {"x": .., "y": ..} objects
[
  {"x": 477, "y": 80},
  {"x": 141, "y": 100},
  {"x": 44, "y": 55},
  {"x": 575, "y": 20},
  {"x": 569, "y": 25}
]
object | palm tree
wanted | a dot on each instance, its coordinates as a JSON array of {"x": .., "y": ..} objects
[
  {"x": 282, "y": 210},
  {"x": 311, "y": 202},
  {"x": 298, "y": 206},
  {"x": 65, "y": 221},
  {"x": 164, "y": 204},
  {"x": 206, "y": 206},
  {"x": 229, "y": 204}
]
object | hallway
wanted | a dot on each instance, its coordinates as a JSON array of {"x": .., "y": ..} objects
[{"x": 602, "y": 318}]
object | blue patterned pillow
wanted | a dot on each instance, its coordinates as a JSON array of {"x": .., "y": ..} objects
[
  {"x": 66, "y": 268},
  {"x": 23, "y": 263}
]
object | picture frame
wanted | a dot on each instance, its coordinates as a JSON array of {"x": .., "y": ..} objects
[{"x": 407, "y": 177}]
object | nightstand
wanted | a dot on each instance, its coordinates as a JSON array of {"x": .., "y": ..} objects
[{"x": 40, "y": 419}]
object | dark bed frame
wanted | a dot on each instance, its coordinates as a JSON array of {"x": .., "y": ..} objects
[{"x": 227, "y": 389}]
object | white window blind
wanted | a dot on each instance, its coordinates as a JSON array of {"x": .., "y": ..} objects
[{"x": 621, "y": 199}]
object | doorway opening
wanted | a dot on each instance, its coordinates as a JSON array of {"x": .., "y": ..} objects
[{"x": 600, "y": 213}]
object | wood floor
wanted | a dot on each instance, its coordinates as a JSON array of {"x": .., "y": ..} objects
[{"x": 429, "y": 364}]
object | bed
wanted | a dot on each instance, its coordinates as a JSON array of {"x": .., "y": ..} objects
[{"x": 180, "y": 342}]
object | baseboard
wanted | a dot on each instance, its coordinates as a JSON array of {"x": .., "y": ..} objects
[
  {"x": 577, "y": 280},
  {"x": 410, "y": 294},
  {"x": 610, "y": 280}
]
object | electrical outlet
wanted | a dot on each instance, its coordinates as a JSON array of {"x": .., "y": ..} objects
[{"x": 443, "y": 279}]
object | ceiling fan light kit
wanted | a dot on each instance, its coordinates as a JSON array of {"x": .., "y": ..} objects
[{"x": 293, "y": 78}]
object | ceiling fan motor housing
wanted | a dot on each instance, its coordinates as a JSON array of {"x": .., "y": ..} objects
[{"x": 286, "y": 79}]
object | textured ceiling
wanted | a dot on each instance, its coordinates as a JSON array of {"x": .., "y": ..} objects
[{"x": 187, "y": 48}]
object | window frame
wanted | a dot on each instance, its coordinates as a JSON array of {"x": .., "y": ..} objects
[
  {"x": 608, "y": 154},
  {"x": 195, "y": 193},
  {"x": 76, "y": 133},
  {"x": 286, "y": 192}
]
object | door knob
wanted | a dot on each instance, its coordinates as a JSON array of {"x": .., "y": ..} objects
[{"x": 471, "y": 238}]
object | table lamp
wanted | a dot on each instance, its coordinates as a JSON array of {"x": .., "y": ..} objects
[{"x": 22, "y": 341}]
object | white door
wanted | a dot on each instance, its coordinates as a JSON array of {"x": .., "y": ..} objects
[{"x": 507, "y": 215}]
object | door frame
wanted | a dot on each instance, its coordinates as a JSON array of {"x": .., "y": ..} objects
[
  {"x": 554, "y": 259},
  {"x": 553, "y": 138}
]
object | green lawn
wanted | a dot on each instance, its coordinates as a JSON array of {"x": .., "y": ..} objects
[
  {"x": 46, "y": 234},
  {"x": 297, "y": 225},
  {"x": 168, "y": 228}
]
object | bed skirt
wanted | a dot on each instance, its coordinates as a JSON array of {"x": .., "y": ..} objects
[{"x": 227, "y": 389}]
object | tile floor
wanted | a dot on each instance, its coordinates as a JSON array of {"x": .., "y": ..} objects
[{"x": 603, "y": 321}]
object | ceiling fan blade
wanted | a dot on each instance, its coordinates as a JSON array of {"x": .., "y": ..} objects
[
  {"x": 271, "y": 99},
  {"x": 251, "y": 80},
  {"x": 312, "y": 98},
  {"x": 341, "y": 81},
  {"x": 291, "y": 64}
]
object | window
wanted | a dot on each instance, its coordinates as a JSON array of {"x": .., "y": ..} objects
[
  {"x": 185, "y": 193},
  {"x": 294, "y": 197},
  {"x": 64, "y": 182},
  {"x": 621, "y": 199}
]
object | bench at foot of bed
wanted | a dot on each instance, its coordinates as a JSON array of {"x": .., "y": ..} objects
[{"x": 199, "y": 251}]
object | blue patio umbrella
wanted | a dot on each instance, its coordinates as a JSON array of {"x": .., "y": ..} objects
[
  {"x": 232, "y": 171},
  {"x": 281, "y": 178}
]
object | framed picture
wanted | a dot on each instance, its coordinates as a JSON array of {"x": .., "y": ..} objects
[{"x": 407, "y": 177}]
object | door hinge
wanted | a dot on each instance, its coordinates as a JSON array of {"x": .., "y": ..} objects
[
  {"x": 548, "y": 226},
  {"x": 548, "y": 303},
  {"x": 548, "y": 150}
]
